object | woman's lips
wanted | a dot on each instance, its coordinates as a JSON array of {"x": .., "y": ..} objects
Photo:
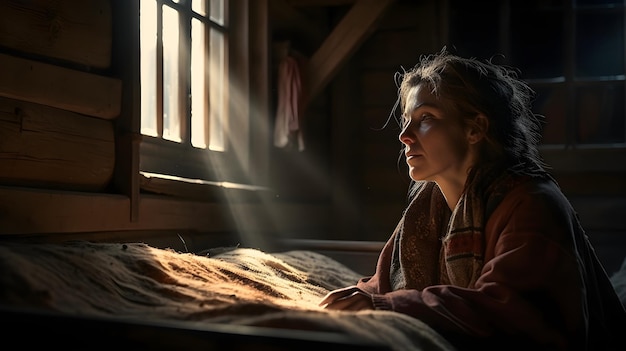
[
  {"x": 413, "y": 159},
  {"x": 411, "y": 156}
]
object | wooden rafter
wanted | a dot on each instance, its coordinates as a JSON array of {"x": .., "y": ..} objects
[{"x": 342, "y": 42}]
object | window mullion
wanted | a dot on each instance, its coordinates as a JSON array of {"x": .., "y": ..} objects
[
  {"x": 624, "y": 63},
  {"x": 185, "y": 75},
  {"x": 569, "y": 65},
  {"x": 159, "y": 72},
  {"x": 207, "y": 80}
]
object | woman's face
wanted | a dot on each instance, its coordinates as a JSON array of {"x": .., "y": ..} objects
[{"x": 435, "y": 142}]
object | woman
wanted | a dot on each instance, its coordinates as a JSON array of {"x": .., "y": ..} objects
[{"x": 489, "y": 251}]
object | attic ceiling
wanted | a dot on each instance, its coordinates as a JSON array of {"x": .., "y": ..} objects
[{"x": 336, "y": 46}]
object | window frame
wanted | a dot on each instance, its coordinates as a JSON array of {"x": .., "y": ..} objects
[
  {"x": 570, "y": 157},
  {"x": 573, "y": 156}
]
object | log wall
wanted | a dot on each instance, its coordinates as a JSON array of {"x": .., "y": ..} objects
[
  {"x": 56, "y": 114},
  {"x": 47, "y": 147},
  {"x": 72, "y": 32}
]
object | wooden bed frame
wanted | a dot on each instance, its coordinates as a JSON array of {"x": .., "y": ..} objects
[{"x": 48, "y": 329}]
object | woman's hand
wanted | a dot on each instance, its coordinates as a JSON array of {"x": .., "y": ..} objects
[{"x": 350, "y": 298}]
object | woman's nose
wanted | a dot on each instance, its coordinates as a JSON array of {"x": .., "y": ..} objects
[{"x": 406, "y": 136}]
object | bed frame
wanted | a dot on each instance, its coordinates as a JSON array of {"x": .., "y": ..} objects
[{"x": 73, "y": 332}]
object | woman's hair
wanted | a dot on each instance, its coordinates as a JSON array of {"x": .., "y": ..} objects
[{"x": 473, "y": 87}]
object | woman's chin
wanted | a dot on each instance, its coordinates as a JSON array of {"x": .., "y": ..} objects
[{"x": 419, "y": 175}]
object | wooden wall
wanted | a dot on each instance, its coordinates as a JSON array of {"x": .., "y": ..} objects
[{"x": 57, "y": 115}]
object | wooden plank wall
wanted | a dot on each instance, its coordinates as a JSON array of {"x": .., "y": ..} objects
[
  {"x": 56, "y": 115},
  {"x": 74, "y": 32},
  {"x": 397, "y": 44}
]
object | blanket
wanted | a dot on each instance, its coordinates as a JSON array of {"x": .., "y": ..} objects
[{"x": 238, "y": 286}]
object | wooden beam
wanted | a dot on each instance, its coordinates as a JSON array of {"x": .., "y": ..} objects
[
  {"x": 74, "y": 31},
  {"x": 126, "y": 49},
  {"x": 28, "y": 211},
  {"x": 260, "y": 97},
  {"x": 59, "y": 87},
  {"x": 342, "y": 42},
  {"x": 46, "y": 147},
  {"x": 31, "y": 211}
]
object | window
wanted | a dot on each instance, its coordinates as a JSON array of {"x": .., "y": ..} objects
[
  {"x": 187, "y": 124},
  {"x": 570, "y": 51}
]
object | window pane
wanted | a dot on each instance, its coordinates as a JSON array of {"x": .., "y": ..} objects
[
  {"x": 217, "y": 116},
  {"x": 600, "y": 114},
  {"x": 198, "y": 81},
  {"x": 199, "y": 7},
  {"x": 171, "y": 84},
  {"x": 148, "y": 26},
  {"x": 217, "y": 11},
  {"x": 537, "y": 50},
  {"x": 550, "y": 103},
  {"x": 599, "y": 44}
]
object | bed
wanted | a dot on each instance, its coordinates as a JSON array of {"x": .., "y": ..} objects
[
  {"x": 78, "y": 294},
  {"x": 84, "y": 294}
]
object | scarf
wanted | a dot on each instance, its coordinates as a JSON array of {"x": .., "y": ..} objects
[{"x": 434, "y": 245}]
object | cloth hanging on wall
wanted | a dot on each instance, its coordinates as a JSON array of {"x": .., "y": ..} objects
[{"x": 288, "y": 113}]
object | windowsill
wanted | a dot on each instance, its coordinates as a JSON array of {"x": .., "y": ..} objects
[
  {"x": 588, "y": 170},
  {"x": 159, "y": 156},
  {"x": 199, "y": 189}
]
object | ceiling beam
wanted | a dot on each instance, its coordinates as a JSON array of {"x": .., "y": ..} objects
[{"x": 341, "y": 43}]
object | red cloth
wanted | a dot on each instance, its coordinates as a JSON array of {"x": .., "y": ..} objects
[{"x": 288, "y": 112}]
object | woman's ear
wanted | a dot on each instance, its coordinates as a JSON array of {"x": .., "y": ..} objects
[{"x": 477, "y": 128}]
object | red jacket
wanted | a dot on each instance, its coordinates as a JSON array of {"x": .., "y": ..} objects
[{"x": 541, "y": 287}]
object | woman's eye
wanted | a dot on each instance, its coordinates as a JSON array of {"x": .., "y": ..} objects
[
  {"x": 417, "y": 119},
  {"x": 425, "y": 117}
]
